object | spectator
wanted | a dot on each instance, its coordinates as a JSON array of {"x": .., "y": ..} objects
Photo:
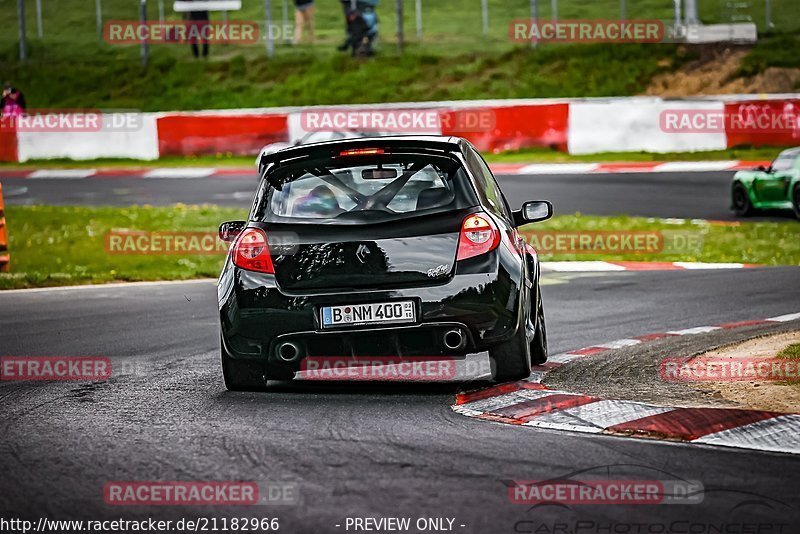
[
  {"x": 361, "y": 26},
  {"x": 198, "y": 25},
  {"x": 12, "y": 103},
  {"x": 303, "y": 16}
]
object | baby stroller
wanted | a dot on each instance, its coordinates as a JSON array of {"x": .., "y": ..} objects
[{"x": 361, "y": 25}]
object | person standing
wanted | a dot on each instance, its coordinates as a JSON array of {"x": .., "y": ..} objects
[
  {"x": 199, "y": 22},
  {"x": 303, "y": 16},
  {"x": 12, "y": 103}
]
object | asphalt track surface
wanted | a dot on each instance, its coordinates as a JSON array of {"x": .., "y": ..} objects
[
  {"x": 703, "y": 195},
  {"x": 357, "y": 449}
]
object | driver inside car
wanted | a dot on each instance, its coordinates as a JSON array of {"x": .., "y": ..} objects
[{"x": 319, "y": 202}]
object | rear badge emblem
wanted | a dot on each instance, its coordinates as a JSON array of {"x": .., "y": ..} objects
[
  {"x": 439, "y": 270},
  {"x": 361, "y": 253}
]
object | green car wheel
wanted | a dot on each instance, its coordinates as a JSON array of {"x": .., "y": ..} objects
[
  {"x": 796, "y": 201},
  {"x": 741, "y": 201}
]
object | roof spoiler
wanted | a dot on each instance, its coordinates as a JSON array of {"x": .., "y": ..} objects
[{"x": 329, "y": 148}]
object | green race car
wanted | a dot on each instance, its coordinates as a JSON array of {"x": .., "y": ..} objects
[{"x": 777, "y": 187}]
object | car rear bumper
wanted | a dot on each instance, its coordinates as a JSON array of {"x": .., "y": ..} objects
[{"x": 257, "y": 318}]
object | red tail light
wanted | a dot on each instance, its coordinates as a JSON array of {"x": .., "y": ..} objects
[
  {"x": 361, "y": 152},
  {"x": 479, "y": 235},
  {"x": 250, "y": 251}
]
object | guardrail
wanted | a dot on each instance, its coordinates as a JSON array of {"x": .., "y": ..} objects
[{"x": 576, "y": 126}]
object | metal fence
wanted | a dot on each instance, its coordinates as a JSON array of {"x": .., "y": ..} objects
[{"x": 440, "y": 25}]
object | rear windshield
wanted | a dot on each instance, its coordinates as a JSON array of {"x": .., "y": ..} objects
[{"x": 363, "y": 189}]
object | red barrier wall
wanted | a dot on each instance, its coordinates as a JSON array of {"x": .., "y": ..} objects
[
  {"x": 763, "y": 123},
  {"x": 241, "y": 135},
  {"x": 8, "y": 144},
  {"x": 513, "y": 127}
]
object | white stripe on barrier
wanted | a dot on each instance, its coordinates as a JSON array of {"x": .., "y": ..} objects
[
  {"x": 558, "y": 168},
  {"x": 700, "y": 265},
  {"x": 780, "y": 434},
  {"x": 494, "y": 403},
  {"x": 62, "y": 174},
  {"x": 466, "y": 411},
  {"x": 136, "y": 137},
  {"x": 695, "y": 166},
  {"x": 635, "y": 125},
  {"x": 695, "y": 330},
  {"x": 180, "y": 173},
  {"x": 580, "y": 266},
  {"x": 620, "y": 343},
  {"x": 564, "y": 358},
  {"x": 597, "y": 416},
  {"x": 784, "y": 318},
  {"x": 507, "y": 399}
]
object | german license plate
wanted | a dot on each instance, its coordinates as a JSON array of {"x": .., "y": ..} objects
[{"x": 402, "y": 311}]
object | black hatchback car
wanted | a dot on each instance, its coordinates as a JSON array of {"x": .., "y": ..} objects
[{"x": 400, "y": 247}]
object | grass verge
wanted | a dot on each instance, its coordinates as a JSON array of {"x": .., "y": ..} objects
[
  {"x": 764, "y": 243},
  {"x": 53, "y": 246},
  {"x": 791, "y": 352},
  {"x": 108, "y": 79}
]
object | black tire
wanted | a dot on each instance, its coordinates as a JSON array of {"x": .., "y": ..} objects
[
  {"x": 242, "y": 375},
  {"x": 796, "y": 201},
  {"x": 741, "y": 200},
  {"x": 539, "y": 343},
  {"x": 512, "y": 359}
]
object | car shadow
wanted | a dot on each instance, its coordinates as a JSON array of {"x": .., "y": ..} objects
[
  {"x": 769, "y": 216},
  {"x": 365, "y": 388}
]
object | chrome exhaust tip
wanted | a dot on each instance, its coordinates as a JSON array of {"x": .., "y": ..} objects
[
  {"x": 288, "y": 351},
  {"x": 454, "y": 339}
]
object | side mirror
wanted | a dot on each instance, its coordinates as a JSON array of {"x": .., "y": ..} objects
[
  {"x": 533, "y": 211},
  {"x": 761, "y": 168},
  {"x": 228, "y": 231}
]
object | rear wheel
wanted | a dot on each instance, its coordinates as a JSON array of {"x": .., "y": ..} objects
[
  {"x": 512, "y": 359},
  {"x": 242, "y": 375},
  {"x": 741, "y": 201},
  {"x": 539, "y": 343},
  {"x": 796, "y": 201}
]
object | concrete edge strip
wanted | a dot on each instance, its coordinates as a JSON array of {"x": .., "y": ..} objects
[
  {"x": 616, "y": 266},
  {"x": 110, "y": 285},
  {"x": 530, "y": 403},
  {"x": 498, "y": 168}
]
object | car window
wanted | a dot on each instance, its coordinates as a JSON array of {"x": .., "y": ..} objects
[
  {"x": 489, "y": 190},
  {"x": 353, "y": 190},
  {"x": 784, "y": 162}
]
